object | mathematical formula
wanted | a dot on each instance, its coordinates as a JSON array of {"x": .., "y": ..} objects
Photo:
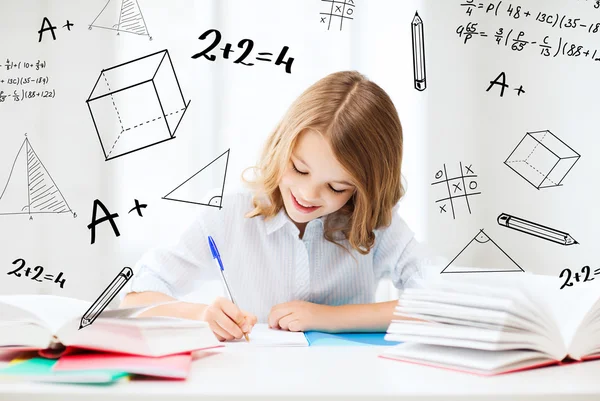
[
  {"x": 584, "y": 274},
  {"x": 34, "y": 86},
  {"x": 246, "y": 45},
  {"x": 518, "y": 40},
  {"x": 556, "y": 20},
  {"x": 36, "y": 273}
]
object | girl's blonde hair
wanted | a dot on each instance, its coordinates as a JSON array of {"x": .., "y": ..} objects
[{"x": 361, "y": 124}]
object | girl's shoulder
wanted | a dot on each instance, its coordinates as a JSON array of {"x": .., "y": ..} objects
[{"x": 397, "y": 227}]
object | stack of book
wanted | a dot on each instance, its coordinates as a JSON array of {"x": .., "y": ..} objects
[{"x": 494, "y": 323}]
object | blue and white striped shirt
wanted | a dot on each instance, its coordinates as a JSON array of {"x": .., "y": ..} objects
[{"x": 266, "y": 263}]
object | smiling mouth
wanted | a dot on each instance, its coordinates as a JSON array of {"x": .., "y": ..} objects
[{"x": 301, "y": 208}]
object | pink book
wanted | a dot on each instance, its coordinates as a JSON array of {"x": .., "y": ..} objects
[{"x": 170, "y": 367}]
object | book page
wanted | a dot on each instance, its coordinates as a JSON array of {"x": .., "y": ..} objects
[
  {"x": 50, "y": 310},
  {"x": 568, "y": 306},
  {"x": 262, "y": 336}
]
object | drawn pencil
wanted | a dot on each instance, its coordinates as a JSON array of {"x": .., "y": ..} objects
[
  {"x": 535, "y": 229},
  {"x": 104, "y": 299},
  {"x": 418, "y": 44}
]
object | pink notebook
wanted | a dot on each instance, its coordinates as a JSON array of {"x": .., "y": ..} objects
[{"x": 170, "y": 366}]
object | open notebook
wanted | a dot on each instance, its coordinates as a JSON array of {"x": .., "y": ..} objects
[
  {"x": 46, "y": 321},
  {"x": 496, "y": 323},
  {"x": 263, "y": 336}
]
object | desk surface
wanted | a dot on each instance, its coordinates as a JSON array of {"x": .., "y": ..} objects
[{"x": 342, "y": 373}]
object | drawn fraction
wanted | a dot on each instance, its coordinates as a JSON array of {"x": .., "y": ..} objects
[
  {"x": 342, "y": 9},
  {"x": 496, "y": 260},
  {"x": 535, "y": 229},
  {"x": 519, "y": 40},
  {"x": 244, "y": 47},
  {"x": 30, "y": 189},
  {"x": 136, "y": 105},
  {"x": 542, "y": 159},
  {"x": 205, "y": 187},
  {"x": 456, "y": 190},
  {"x": 418, "y": 46},
  {"x": 121, "y": 16}
]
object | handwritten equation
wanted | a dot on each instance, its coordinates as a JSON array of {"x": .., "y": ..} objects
[
  {"x": 518, "y": 40},
  {"x": 36, "y": 272},
  {"x": 32, "y": 85},
  {"x": 555, "y": 20},
  {"x": 245, "y": 46},
  {"x": 10, "y": 64},
  {"x": 582, "y": 276}
]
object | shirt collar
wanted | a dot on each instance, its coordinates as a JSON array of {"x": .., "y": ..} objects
[{"x": 281, "y": 219}]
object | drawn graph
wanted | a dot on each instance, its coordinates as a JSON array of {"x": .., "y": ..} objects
[
  {"x": 497, "y": 260},
  {"x": 342, "y": 9},
  {"x": 30, "y": 189},
  {"x": 454, "y": 192},
  {"x": 204, "y": 187},
  {"x": 136, "y": 104},
  {"x": 121, "y": 16},
  {"x": 542, "y": 159}
]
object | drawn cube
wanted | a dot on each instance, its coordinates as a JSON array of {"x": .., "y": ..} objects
[
  {"x": 136, "y": 104},
  {"x": 542, "y": 159}
]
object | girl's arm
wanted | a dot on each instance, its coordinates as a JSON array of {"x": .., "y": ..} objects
[
  {"x": 305, "y": 316},
  {"x": 225, "y": 319},
  {"x": 363, "y": 317},
  {"x": 184, "y": 310}
]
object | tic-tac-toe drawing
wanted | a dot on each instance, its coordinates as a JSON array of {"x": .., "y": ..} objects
[
  {"x": 137, "y": 104},
  {"x": 453, "y": 192}
]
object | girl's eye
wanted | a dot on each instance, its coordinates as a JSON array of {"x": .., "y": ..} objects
[
  {"x": 298, "y": 171},
  {"x": 336, "y": 191}
]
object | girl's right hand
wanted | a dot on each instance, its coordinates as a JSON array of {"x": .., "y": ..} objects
[{"x": 228, "y": 321}]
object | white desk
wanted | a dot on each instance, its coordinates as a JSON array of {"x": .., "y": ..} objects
[{"x": 340, "y": 373}]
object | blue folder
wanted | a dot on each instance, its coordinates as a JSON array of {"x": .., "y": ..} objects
[{"x": 317, "y": 338}]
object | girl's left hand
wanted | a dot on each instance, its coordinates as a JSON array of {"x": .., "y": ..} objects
[{"x": 300, "y": 316}]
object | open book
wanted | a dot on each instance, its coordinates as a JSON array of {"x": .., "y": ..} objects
[
  {"x": 263, "y": 336},
  {"x": 46, "y": 321},
  {"x": 496, "y": 322}
]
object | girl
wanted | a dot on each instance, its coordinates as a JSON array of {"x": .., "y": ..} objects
[{"x": 305, "y": 247}]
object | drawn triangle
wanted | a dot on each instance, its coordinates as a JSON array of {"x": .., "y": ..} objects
[
  {"x": 121, "y": 16},
  {"x": 14, "y": 197},
  {"x": 44, "y": 195},
  {"x": 206, "y": 186},
  {"x": 482, "y": 245}
]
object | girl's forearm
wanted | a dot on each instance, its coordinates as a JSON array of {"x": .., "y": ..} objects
[
  {"x": 184, "y": 310},
  {"x": 362, "y": 318}
]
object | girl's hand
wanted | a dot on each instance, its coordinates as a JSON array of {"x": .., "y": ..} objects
[
  {"x": 226, "y": 320},
  {"x": 301, "y": 316}
]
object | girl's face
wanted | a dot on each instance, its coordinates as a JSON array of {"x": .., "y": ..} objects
[{"x": 314, "y": 184}]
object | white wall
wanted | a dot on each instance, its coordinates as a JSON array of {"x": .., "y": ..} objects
[{"x": 233, "y": 106}]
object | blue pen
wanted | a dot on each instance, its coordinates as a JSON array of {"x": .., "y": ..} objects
[{"x": 217, "y": 257}]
